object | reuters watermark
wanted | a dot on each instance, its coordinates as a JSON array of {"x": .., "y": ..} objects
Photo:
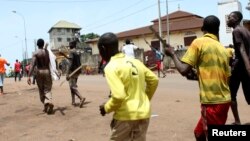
[{"x": 235, "y": 132}]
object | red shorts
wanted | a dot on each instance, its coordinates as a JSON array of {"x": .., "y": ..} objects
[
  {"x": 211, "y": 114},
  {"x": 158, "y": 65}
]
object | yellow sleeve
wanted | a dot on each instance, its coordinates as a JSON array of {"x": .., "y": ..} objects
[
  {"x": 151, "y": 82},
  {"x": 118, "y": 93}
]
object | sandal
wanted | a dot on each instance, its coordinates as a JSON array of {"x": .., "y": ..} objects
[
  {"x": 82, "y": 102},
  {"x": 50, "y": 108},
  {"x": 46, "y": 106}
]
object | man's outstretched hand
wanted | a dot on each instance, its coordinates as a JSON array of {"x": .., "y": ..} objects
[{"x": 67, "y": 78}]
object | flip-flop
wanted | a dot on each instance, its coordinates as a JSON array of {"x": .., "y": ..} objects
[{"x": 50, "y": 108}]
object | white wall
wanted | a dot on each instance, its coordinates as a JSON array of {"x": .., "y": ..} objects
[{"x": 225, "y": 7}]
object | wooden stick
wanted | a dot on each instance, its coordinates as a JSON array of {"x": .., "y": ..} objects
[
  {"x": 158, "y": 36},
  {"x": 76, "y": 70},
  {"x": 147, "y": 41},
  {"x": 72, "y": 73}
]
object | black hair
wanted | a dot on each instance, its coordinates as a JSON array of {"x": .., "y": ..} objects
[
  {"x": 127, "y": 41},
  {"x": 40, "y": 43},
  {"x": 108, "y": 45},
  {"x": 238, "y": 15},
  {"x": 211, "y": 24},
  {"x": 108, "y": 40},
  {"x": 72, "y": 44}
]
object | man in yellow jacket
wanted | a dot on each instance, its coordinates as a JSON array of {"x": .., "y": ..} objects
[{"x": 132, "y": 86}]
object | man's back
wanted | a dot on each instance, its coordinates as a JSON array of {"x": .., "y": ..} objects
[
  {"x": 2, "y": 62},
  {"x": 129, "y": 90},
  {"x": 42, "y": 59},
  {"x": 210, "y": 59},
  {"x": 17, "y": 67},
  {"x": 128, "y": 49}
]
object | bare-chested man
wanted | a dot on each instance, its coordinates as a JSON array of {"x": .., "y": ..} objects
[
  {"x": 74, "y": 63},
  {"x": 241, "y": 63},
  {"x": 41, "y": 60}
]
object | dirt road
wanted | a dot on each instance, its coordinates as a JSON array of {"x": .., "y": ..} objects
[{"x": 175, "y": 109}]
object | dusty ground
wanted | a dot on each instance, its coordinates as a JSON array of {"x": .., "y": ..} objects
[{"x": 175, "y": 109}]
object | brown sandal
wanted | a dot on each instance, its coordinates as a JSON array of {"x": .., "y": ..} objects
[
  {"x": 50, "y": 108},
  {"x": 82, "y": 102}
]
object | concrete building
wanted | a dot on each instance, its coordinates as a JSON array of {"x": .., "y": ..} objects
[{"x": 62, "y": 33}]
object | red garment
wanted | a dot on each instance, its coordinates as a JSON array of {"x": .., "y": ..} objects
[
  {"x": 2, "y": 63},
  {"x": 103, "y": 62},
  {"x": 158, "y": 65},
  {"x": 17, "y": 67},
  {"x": 27, "y": 68},
  {"x": 211, "y": 114}
]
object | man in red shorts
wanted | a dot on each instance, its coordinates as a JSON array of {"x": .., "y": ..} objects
[
  {"x": 159, "y": 59},
  {"x": 210, "y": 59}
]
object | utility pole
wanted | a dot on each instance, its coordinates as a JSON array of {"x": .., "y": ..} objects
[
  {"x": 167, "y": 23},
  {"x": 160, "y": 28},
  {"x": 25, "y": 38}
]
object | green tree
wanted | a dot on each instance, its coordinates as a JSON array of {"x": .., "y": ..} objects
[{"x": 88, "y": 36}]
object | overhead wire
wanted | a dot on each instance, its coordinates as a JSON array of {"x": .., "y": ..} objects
[
  {"x": 92, "y": 25},
  {"x": 56, "y": 1},
  {"x": 115, "y": 13},
  {"x": 123, "y": 17}
]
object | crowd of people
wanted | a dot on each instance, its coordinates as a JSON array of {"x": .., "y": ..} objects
[
  {"x": 132, "y": 85},
  {"x": 206, "y": 61}
]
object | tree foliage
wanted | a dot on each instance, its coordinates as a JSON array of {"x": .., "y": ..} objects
[{"x": 85, "y": 37}]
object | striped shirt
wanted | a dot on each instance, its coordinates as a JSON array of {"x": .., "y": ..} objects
[{"x": 210, "y": 59}]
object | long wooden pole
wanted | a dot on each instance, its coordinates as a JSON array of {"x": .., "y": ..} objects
[{"x": 72, "y": 73}]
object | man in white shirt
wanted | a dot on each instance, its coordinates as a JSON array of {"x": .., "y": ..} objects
[{"x": 129, "y": 48}]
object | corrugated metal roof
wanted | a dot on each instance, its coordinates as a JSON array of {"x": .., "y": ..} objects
[{"x": 65, "y": 24}]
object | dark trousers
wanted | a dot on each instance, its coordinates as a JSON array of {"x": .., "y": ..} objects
[
  {"x": 239, "y": 75},
  {"x": 17, "y": 74}
]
